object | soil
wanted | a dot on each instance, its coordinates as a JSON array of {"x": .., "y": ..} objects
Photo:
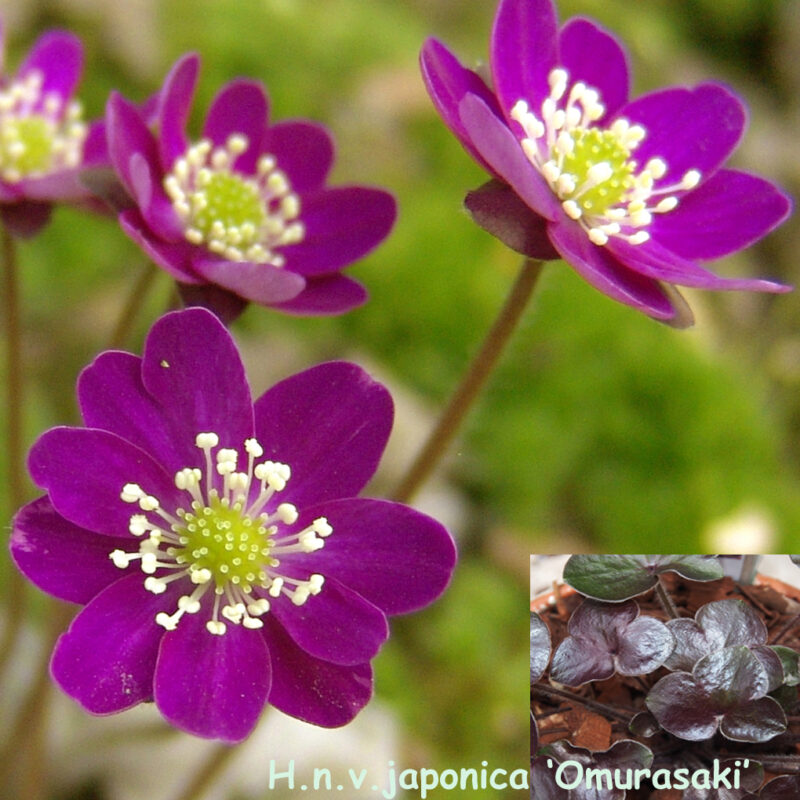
[{"x": 594, "y": 729}]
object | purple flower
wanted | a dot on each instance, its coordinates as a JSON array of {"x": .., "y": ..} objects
[
  {"x": 191, "y": 521},
  {"x": 244, "y": 214},
  {"x": 631, "y": 193},
  {"x": 44, "y": 142}
]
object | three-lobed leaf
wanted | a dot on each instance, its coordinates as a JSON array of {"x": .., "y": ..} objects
[
  {"x": 604, "y": 639},
  {"x": 616, "y": 578}
]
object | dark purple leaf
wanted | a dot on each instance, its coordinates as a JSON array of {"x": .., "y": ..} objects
[
  {"x": 644, "y": 724},
  {"x": 623, "y": 755},
  {"x": 790, "y": 662},
  {"x": 750, "y": 774},
  {"x": 604, "y": 639},
  {"x": 540, "y": 647},
  {"x": 619, "y": 577},
  {"x": 726, "y": 690},
  {"x": 723, "y": 623},
  {"x": 787, "y": 787}
]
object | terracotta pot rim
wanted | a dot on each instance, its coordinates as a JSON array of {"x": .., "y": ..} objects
[{"x": 565, "y": 590}]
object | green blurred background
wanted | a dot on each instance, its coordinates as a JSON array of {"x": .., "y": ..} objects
[{"x": 602, "y": 430}]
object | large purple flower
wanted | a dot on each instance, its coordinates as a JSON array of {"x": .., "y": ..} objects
[
  {"x": 631, "y": 193},
  {"x": 44, "y": 142},
  {"x": 190, "y": 522},
  {"x": 244, "y": 214}
]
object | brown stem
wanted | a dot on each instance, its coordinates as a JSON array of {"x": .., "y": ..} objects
[
  {"x": 209, "y": 771},
  {"x": 665, "y": 599},
  {"x": 472, "y": 382},
  {"x": 551, "y": 691},
  {"x": 16, "y": 589},
  {"x": 132, "y": 305}
]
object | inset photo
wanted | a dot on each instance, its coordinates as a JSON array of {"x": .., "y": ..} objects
[{"x": 665, "y": 677}]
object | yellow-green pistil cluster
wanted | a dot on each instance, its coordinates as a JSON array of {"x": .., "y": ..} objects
[
  {"x": 591, "y": 169},
  {"x": 240, "y": 217},
  {"x": 223, "y": 539},
  {"x": 39, "y": 134}
]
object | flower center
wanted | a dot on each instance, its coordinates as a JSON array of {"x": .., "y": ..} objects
[
  {"x": 39, "y": 133},
  {"x": 240, "y": 217},
  {"x": 592, "y": 169},
  {"x": 223, "y": 539}
]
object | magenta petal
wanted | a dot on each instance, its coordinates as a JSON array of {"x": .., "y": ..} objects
[
  {"x": 95, "y": 146},
  {"x": 84, "y": 471},
  {"x": 448, "y": 82},
  {"x": 62, "y": 186},
  {"x": 524, "y": 48},
  {"x": 688, "y": 128},
  {"x": 307, "y": 688},
  {"x": 303, "y": 150},
  {"x": 174, "y": 257},
  {"x": 112, "y": 397},
  {"x": 656, "y": 261},
  {"x": 62, "y": 559},
  {"x": 241, "y": 107},
  {"x": 728, "y": 212},
  {"x": 395, "y": 557},
  {"x": 58, "y": 56},
  {"x": 500, "y": 148},
  {"x": 337, "y": 625},
  {"x": 342, "y": 224},
  {"x": 193, "y": 369},
  {"x": 598, "y": 266},
  {"x": 592, "y": 55},
  {"x": 259, "y": 283},
  {"x": 328, "y": 294},
  {"x": 330, "y": 424},
  {"x": 212, "y": 686},
  {"x": 174, "y": 104},
  {"x": 106, "y": 659}
]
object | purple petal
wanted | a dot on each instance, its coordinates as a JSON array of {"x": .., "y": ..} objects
[
  {"x": 260, "y": 283},
  {"x": 58, "y": 56},
  {"x": 192, "y": 368},
  {"x": 62, "y": 186},
  {"x": 174, "y": 257},
  {"x": 500, "y": 148},
  {"x": 729, "y": 212},
  {"x": 337, "y": 625},
  {"x": 212, "y": 686},
  {"x": 498, "y": 209},
  {"x": 241, "y": 107},
  {"x": 84, "y": 470},
  {"x": 106, "y": 659},
  {"x": 25, "y": 218},
  {"x": 448, "y": 82},
  {"x": 330, "y": 424},
  {"x": 341, "y": 225},
  {"x": 62, "y": 559},
  {"x": 524, "y": 48},
  {"x": 134, "y": 154},
  {"x": 397, "y": 558},
  {"x": 592, "y": 55},
  {"x": 599, "y": 267},
  {"x": 303, "y": 150},
  {"x": 223, "y": 304},
  {"x": 174, "y": 104},
  {"x": 655, "y": 261},
  {"x": 112, "y": 397},
  {"x": 328, "y": 294},
  {"x": 688, "y": 128},
  {"x": 316, "y": 691},
  {"x": 95, "y": 146}
]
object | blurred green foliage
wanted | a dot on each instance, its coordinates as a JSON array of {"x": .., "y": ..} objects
[{"x": 602, "y": 429}]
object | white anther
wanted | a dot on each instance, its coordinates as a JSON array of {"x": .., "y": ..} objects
[
  {"x": 188, "y": 604},
  {"x": 193, "y": 236},
  {"x": 155, "y": 585},
  {"x": 599, "y": 173},
  {"x": 558, "y": 83},
  {"x": 138, "y": 525},
  {"x": 519, "y": 111},
  {"x": 188, "y": 478},
  {"x": 315, "y": 583},
  {"x": 551, "y": 171},
  {"x": 206, "y": 440},
  {"x": 252, "y": 624},
  {"x": 166, "y": 621},
  {"x": 321, "y": 526},
  {"x": 275, "y": 587},
  {"x": 640, "y": 237},
  {"x": 572, "y": 209},
  {"x": 566, "y": 184},
  {"x": 259, "y": 608},
  {"x": 667, "y": 204},
  {"x": 286, "y": 513},
  {"x": 253, "y": 448},
  {"x": 216, "y": 627},
  {"x": 597, "y": 236},
  {"x": 149, "y": 503},
  {"x": 690, "y": 179},
  {"x": 131, "y": 493},
  {"x": 120, "y": 558},
  {"x": 200, "y": 576},
  {"x": 657, "y": 167},
  {"x": 149, "y": 564},
  {"x": 266, "y": 164},
  {"x": 300, "y": 595},
  {"x": 237, "y": 143}
]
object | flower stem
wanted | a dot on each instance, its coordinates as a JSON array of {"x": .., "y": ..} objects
[
  {"x": 666, "y": 600},
  {"x": 16, "y": 587},
  {"x": 210, "y": 770},
  {"x": 472, "y": 382},
  {"x": 134, "y": 302}
]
